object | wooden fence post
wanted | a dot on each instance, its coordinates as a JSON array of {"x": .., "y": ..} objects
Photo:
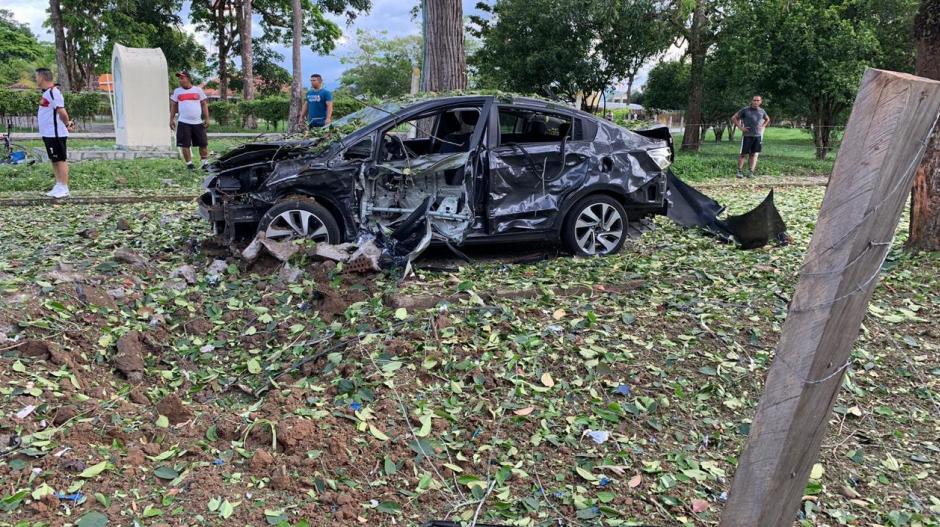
[{"x": 873, "y": 174}]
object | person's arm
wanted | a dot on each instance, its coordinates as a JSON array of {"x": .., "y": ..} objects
[
  {"x": 174, "y": 109},
  {"x": 64, "y": 115},
  {"x": 205, "y": 113},
  {"x": 329, "y": 112},
  {"x": 766, "y": 120},
  {"x": 303, "y": 112},
  {"x": 737, "y": 122}
]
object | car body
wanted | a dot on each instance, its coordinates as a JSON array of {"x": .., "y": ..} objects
[{"x": 479, "y": 168}]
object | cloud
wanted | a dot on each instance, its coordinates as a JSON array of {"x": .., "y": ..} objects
[{"x": 31, "y": 13}]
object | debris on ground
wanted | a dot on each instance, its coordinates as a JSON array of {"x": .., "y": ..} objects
[
  {"x": 282, "y": 250},
  {"x": 129, "y": 359}
]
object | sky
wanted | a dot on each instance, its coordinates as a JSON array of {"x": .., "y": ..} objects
[{"x": 391, "y": 16}]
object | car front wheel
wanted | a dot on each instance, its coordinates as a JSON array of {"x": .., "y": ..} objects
[
  {"x": 596, "y": 225},
  {"x": 295, "y": 218}
]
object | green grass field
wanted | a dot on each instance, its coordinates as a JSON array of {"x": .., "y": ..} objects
[{"x": 787, "y": 152}]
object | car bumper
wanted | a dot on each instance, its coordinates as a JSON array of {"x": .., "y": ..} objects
[{"x": 225, "y": 213}]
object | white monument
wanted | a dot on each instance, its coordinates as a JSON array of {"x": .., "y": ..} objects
[{"x": 141, "y": 107}]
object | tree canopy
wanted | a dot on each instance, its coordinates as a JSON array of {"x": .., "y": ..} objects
[
  {"x": 563, "y": 47},
  {"x": 20, "y": 51},
  {"x": 381, "y": 66}
]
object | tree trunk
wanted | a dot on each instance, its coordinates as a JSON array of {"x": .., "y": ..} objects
[
  {"x": 248, "y": 69},
  {"x": 924, "y": 233},
  {"x": 697, "y": 48},
  {"x": 629, "y": 91},
  {"x": 719, "y": 128},
  {"x": 61, "y": 57},
  {"x": 223, "y": 52},
  {"x": 296, "y": 95},
  {"x": 732, "y": 129},
  {"x": 445, "y": 63}
]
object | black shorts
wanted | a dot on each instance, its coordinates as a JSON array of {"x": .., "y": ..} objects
[
  {"x": 56, "y": 148},
  {"x": 188, "y": 135},
  {"x": 750, "y": 145}
]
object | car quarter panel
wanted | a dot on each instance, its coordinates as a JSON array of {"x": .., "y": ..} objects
[{"x": 530, "y": 188}]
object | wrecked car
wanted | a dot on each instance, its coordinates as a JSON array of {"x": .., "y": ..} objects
[{"x": 456, "y": 170}]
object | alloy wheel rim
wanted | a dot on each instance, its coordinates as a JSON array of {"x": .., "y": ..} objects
[
  {"x": 598, "y": 229},
  {"x": 297, "y": 223}
]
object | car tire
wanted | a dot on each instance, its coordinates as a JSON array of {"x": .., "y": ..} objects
[
  {"x": 298, "y": 217},
  {"x": 595, "y": 226}
]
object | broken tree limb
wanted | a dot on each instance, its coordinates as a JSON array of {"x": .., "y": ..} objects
[{"x": 884, "y": 140}]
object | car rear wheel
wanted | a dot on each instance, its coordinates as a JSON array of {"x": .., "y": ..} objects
[
  {"x": 596, "y": 226},
  {"x": 299, "y": 218}
]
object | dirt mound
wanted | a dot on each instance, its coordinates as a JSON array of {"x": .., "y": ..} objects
[
  {"x": 172, "y": 407},
  {"x": 294, "y": 432},
  {"x": 130, "y": 356}
]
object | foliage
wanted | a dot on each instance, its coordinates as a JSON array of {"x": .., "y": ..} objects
[
  {"x": 223, "y": 112},
  {"x": 812, "y": 60},
  {"x": 667, "y": 86},
  {"x": 17, "y": 102},
  {"x": 272, "y": 109},
  {"x": 499, "y": 390},
  {"x": 562, "y": 47},
  {"x": 92, "y": 27},
  {"x": 381, "y": 66},
  {"x": 20, "y": 51}
]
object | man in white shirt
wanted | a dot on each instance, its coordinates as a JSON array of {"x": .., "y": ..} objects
[
  {"x": 54, "y": 128},
  {"x": 189, "y": 103}
]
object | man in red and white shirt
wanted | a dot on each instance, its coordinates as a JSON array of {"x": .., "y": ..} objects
[
  {"x": 54, "y": 128},
  {"x": 189, "y": 102}
]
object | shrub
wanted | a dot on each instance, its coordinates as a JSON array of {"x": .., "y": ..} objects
[
  {"x": 17, "y": 103},
  {"x": 222, "y": 112}
]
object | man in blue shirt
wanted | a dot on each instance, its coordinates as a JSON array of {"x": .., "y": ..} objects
[{"x": 317, "y": 107}]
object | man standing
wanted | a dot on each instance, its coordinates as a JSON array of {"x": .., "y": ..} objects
[
  {"x": 751, "y": 120},
  {"x": 317, "y": 107},
  {"x": 54, "y": 128},
  {"x": 190, "y": 103}
]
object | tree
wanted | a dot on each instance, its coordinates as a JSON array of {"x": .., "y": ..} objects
[
  {"x": 219, "y": 18},
  {"x": 565, "y": 47},
  {"x": 667, "y": 86},
  {"x": 297, "y": 71},
  {"x": 381, "y": 67},
  {"x": 636, "y": 32},
  {"x": 700, "y": 29},
  {"x": 814, "y": 53},
  {"x": 86, "y": 31},
  {"x": 61, "y": 57},
  {"x": 245, "y": 13},
  {"x": 445, "y": 63},
  {"x": 20, "y": 51},
  {"x": 925, "y": 196}
]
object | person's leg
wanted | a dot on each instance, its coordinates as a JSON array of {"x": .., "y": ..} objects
[
  {"x": 61, "y": 170},
  {"x": 201, "y": 139},
  {"x": 741, "y": 159},
  {"x": 753, "y": 162},
  {"x": 184, "y": 140}
]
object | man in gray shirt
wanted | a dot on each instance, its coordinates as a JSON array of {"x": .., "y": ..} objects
[{"x": 751, "y": 120}]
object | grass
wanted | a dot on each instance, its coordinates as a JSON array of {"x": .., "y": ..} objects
[
  {"x": 787, "y": 152},
  {"x": 412, "y": 414}
]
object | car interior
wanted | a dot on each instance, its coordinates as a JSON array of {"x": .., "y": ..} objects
[{"x": 441, "y": 132}]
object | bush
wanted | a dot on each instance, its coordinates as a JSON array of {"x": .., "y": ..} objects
[
  {"x": 272, "y": 109},
  {"x": 17, "y": 103},
  {"x": 222, "y": 112},
  {"x": 86, "y": 105},
  {"x": 344, "y": 105}
]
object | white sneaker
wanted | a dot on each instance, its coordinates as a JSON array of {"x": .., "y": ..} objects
[{"x": 59, "y": 191}]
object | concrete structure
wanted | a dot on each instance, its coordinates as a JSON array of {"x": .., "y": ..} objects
[{"x": 141, "y": 109}]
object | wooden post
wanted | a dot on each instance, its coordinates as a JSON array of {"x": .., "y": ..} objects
[{"x": 884, "y": 140}]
